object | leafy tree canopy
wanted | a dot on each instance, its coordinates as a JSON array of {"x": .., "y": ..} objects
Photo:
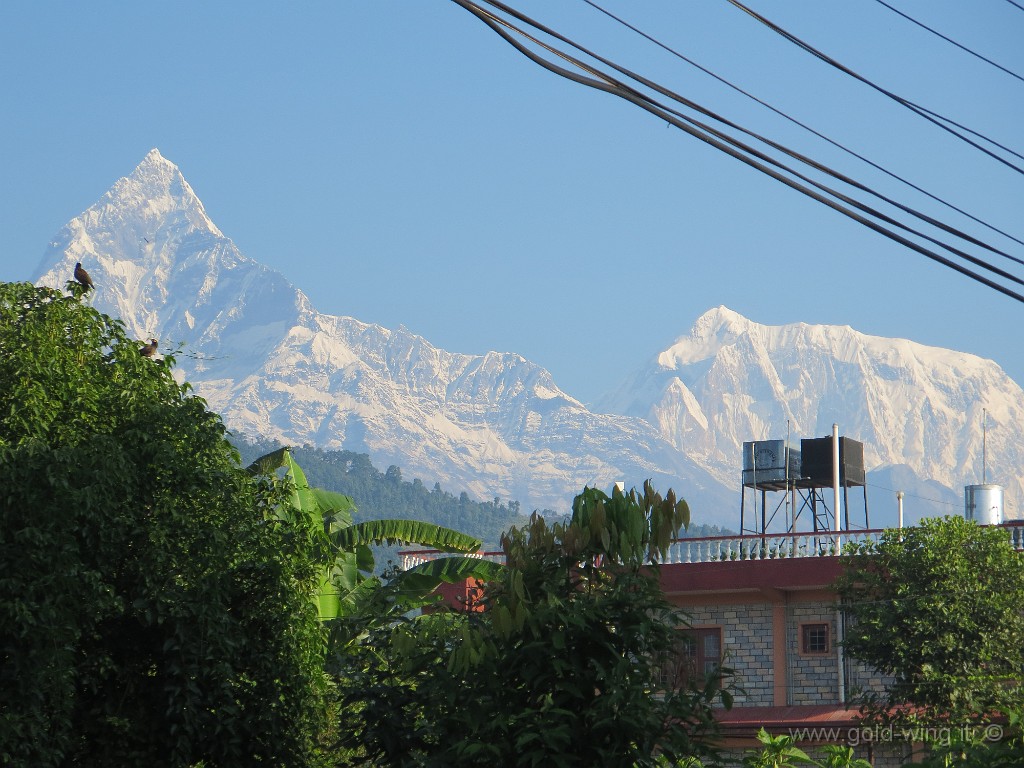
[
  {"x": 152, "y": 610},
  {"x": 938, "y": 608}
]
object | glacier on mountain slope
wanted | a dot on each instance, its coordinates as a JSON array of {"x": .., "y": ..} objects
[{"x": 497, "y": 424}]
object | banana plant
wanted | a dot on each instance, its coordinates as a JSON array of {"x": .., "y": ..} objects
[{"x": 348, "y": 564}]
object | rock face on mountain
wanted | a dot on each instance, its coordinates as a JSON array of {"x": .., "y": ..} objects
[
  {"x": 274, "y": 367},
  {"x": 921, "y": 412},
  {"x": 497, "y": 424}
]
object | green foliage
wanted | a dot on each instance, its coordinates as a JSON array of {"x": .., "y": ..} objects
[
  {"x": 561, "y": 667},
  {"x": 781, "y": 752},
  {"x": 628, "y": 529},
  {"x": 391, "y": 670},
  {"x": 318, "y": 513},
  {"x": 989, "y": 746},
  {"x": 152, "y": 610},
  {"x": 938, "y": 607},
  {"x": 776, "y": 752},
  {"x": 841, "y": 757}
]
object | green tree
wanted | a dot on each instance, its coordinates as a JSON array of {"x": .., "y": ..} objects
[
  {"x": 938, "y": 608},
  {"x": 776, "y": 752},
  {"x": 153, "y": 610},
  {"x": 562, "y": 664},
  {"x": 989, "y": 746},
  {"x": 564, "y": 667},
  {"x": 363, "y": 612}
]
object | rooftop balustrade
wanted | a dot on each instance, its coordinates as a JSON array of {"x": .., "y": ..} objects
[{"x": 772, "y": 546}]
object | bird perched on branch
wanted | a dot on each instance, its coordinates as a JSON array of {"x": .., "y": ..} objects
[
  {"x": 82, "y": 277},
  {"x": 148, "y": 350}
]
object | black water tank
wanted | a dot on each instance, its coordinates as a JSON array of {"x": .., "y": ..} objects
[{"x": 816, "y": 461}]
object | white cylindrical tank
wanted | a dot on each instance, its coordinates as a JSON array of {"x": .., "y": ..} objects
[{"x": 984, "y": 504}]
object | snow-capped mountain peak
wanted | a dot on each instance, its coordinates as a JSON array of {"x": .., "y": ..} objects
[
  {"x": 275, "y": 367},
  {"x": 733, "y": 380},
  {"x": 497, "y": 424}
]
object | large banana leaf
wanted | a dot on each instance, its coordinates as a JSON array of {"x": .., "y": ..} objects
[
  {"x": 418, "y": 582},
  {"x": 414, "y": 585},
  {"x": 345, "y": 576},
  {"x": 404, "y": 532},
  {"x": 319, "y": 507},
  {"x": 322, "y": 512}
]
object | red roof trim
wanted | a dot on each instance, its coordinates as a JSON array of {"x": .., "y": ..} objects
[
  {"x": 738, "y": 575},
  {"x": 819, "y": 715}
]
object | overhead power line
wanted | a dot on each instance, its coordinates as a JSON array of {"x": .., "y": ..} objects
[
  {"x": 950, "y": 40},
  {"x": 595, "y": 78},
  {"x": 795, "y": 155},
  {"x": 935, "y": 118},
  {"x": 807, "y": 128}
]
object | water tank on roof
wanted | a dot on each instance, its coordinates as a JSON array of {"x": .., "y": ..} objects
[
  {"x": 764, "y": 463},
  {"x": 984, "y": 504},
  {"x": 817, "y": 458}
]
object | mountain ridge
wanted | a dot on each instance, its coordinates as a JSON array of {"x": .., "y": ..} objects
[
  {"x": 497, "y": 424},
  {"x": 732, "y": 380},
  {"x": 276, "y": 368}
]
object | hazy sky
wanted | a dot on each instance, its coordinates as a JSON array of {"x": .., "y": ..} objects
[{"x": 402, "y": 164}]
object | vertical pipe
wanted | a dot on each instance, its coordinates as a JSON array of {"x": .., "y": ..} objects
[
  {"x": 789, "y": 526},
  {"x": 840, "y": 661},
  {"x": 753, "y": 463},
  {"x": 835, "y": 485},
  {"x": 984, "y": 445},
  {"x": 743, "y": 501},
  {"x": 899, "y": 509},
  {"x": 840, "y": 671}
]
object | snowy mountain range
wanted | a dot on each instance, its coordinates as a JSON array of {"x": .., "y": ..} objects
[
  {"x": 497, "y": 424},
  {"x": 921, "y": 412}
]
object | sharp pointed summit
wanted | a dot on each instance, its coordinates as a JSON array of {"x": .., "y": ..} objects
[
  {"x": 274, "y": 367},
  {"x": 167, "y": 271}
]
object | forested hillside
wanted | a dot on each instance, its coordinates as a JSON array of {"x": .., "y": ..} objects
[{"x": 380, "y": 495}]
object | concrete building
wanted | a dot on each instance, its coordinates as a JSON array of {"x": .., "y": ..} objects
[{"x": 763, "y": 607}]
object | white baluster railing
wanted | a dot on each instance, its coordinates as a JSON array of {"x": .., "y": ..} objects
[{"x": 773, "y": 546}]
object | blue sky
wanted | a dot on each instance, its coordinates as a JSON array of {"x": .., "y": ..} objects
[{"x": 401, "y": 164}]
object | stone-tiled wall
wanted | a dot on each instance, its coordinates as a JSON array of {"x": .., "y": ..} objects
[
  {"x": 747, "y": 645},
  {"x": 813, "y": 678},
  {"x": 747, "y": 648}
]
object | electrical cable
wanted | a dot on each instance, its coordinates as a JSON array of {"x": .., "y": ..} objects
[
  {"x": 719, "y": 141},
  {"x": 1016, "y": 5},
  {"x": 802, "y": 158},
  {"x": 929, "y": 115},
  {"x": 949, "y": 40},
  {"x": 781, "y": 148},
  {"x": 793, "y": 120}
]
